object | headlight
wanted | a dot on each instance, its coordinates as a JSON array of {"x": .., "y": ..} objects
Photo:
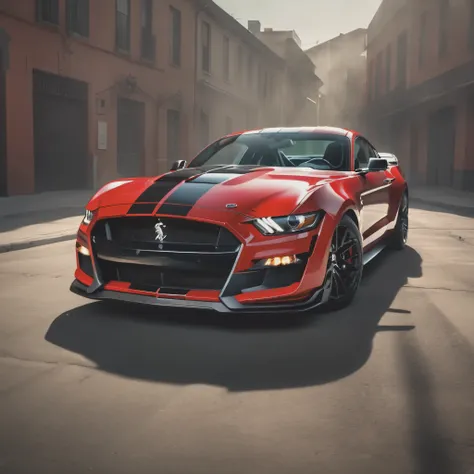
[
  {"x": 288, "y": 224},
  {"x": 88, "y": 216}
]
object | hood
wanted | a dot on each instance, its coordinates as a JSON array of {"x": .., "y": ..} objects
[{"x": 253, "y": 191}]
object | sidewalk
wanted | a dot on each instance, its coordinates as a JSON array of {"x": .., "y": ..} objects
[
  {"x": 451, "y": 200},
  {"x": 32, "y": 220}
]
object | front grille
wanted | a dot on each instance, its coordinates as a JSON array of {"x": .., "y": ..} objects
[
  {"x": 181, "y": 234},
  {"x": 193, "y": 255},
  {"x": 152, "y": 278}
]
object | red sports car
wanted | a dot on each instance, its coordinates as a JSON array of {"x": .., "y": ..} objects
[{"x": 270, "y": 220}]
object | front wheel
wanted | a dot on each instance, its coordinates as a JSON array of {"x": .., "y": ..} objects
[
  {"x": 345, "y": 264},
  {"x": 399, "y": 237}
]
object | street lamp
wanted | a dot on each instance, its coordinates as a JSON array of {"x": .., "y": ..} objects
[{"x": 317, "y": 104}]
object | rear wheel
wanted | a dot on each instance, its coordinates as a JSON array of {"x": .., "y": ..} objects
[
  {"x": 345, "y": 264},
  {"x": 399, "y": 237}
]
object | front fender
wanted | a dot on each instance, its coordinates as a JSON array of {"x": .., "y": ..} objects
[{"x": 333, "y": 200}]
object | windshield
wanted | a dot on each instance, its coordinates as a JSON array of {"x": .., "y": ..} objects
[{"x": 309, "y": 150}]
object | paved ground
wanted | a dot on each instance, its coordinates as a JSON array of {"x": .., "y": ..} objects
[{"x": 386, "y": 386}]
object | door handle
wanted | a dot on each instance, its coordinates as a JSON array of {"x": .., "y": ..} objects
[{"x": 388, "y": 180}]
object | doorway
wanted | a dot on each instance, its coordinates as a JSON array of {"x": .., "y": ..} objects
[
  {"x": 60, "y": 133},
  {"x": 414, "y": 156},
  {"x": 441, "y": 147}
]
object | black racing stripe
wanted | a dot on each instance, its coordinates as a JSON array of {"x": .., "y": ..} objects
[
  {"x": 189, "y": 193},
  {"x": 236, "y": 169},
  {"x": 174, "y": 210},
  {"x": 208, "y": 178},
  {"x": 214, "y": 177},
  {"x": 162, "y": 186},
  {"x": 141, "y": 208}
]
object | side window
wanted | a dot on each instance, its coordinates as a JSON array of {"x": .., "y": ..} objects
[
  {"x": 372, "y": 151},
  {"x": 361, "y": 153}
]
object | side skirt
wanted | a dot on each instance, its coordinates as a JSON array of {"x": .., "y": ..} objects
[{"x": 372, "y": 253}]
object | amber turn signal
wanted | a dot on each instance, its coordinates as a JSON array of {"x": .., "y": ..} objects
[{"x": 279, "y": 261}]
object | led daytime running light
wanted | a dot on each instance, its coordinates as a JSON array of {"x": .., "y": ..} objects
[
  {"x": 88, "y": 216},
  {"x": 287, "y": 224}
]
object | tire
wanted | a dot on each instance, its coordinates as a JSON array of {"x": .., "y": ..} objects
[
  {"x": 398, "y": 238},
  {"x": 335, "y": 301}
]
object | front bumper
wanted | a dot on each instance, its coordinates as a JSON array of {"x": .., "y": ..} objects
[
  {"x": 298, "y": 287},
  {"x": 227, "y": 305}
]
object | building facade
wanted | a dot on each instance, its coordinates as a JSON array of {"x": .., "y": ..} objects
[
  {"x": 93, "y": 90},
  {"x": 420, "y": 94},
  {"x": 238, "y": 78},
  {"x": 300, "y": 96},
  {"x": 341, "y": 64}
]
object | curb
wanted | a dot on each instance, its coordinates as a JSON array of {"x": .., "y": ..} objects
[
  {"x": 36, "y": 243},
  {"x": 465, "y": 210}
]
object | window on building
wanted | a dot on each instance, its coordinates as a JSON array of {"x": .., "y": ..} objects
[
  {"x": 148, "y": 44},
  {"x": 206, "y": 47},
  {"x": 402, "y": 45},
  {"x": 226, "y": 58},
  {"x": 423, "y": 38},
  {"x": 249, "y": 70},
  {"x": 175, "y": 36},
  {"x": 173, "y": 136},
  {"x": 378, "y": 74},
  {"x": 47, "y": 11},
  {"x": 270, "y": 85},
  {"x": 388, "y": 68},
  {"x": 240, "y": 61},
  {"x": 471, "y": 26},
  {"x": 258, "y": 69},
  {"x": 122, "y": 25},
  {"x": 371, "y": 80},
  {"x": 77, "y": 14},
  {"x": 444, "y": 20},
  {"x": 265, "y": 85}
]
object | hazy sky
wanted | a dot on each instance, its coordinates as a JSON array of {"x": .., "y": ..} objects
[{"x": 313, "y": 20}]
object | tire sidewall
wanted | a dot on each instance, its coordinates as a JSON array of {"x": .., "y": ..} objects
[
  {"x": 397, "y": 242},
  {"x": 334, "y": 305}
]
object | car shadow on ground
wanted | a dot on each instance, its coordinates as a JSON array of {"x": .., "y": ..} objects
[{"x": 239, "y": 352}]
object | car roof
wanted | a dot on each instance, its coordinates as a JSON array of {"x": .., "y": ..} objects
[{"x": 329, "y": 130}]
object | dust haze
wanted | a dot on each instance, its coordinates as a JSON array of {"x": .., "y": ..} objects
[{"x": 333, "y": 35}]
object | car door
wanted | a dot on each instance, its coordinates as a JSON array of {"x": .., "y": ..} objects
[{"x": 374, "y": 195}]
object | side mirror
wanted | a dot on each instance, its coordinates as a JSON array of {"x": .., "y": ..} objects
[
  {"x": 391, "y": 158},
  {"x": 377, "y": 164},
  {"x": 177, "y": 165}
]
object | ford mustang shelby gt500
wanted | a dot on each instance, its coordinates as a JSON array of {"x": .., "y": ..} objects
[{"x": 262, "y": 221}]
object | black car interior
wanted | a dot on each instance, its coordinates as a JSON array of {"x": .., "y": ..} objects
[{"x": 276, "y": 151}]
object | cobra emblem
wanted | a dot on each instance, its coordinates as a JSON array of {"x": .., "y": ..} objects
[{"x": 160, "y": 234}]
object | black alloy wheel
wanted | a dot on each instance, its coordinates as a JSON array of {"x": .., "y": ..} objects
[
  {"x": 345, "y": 263},
  {"x": 399, "y": 237},
  {"x": 404, "y": 218}
]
